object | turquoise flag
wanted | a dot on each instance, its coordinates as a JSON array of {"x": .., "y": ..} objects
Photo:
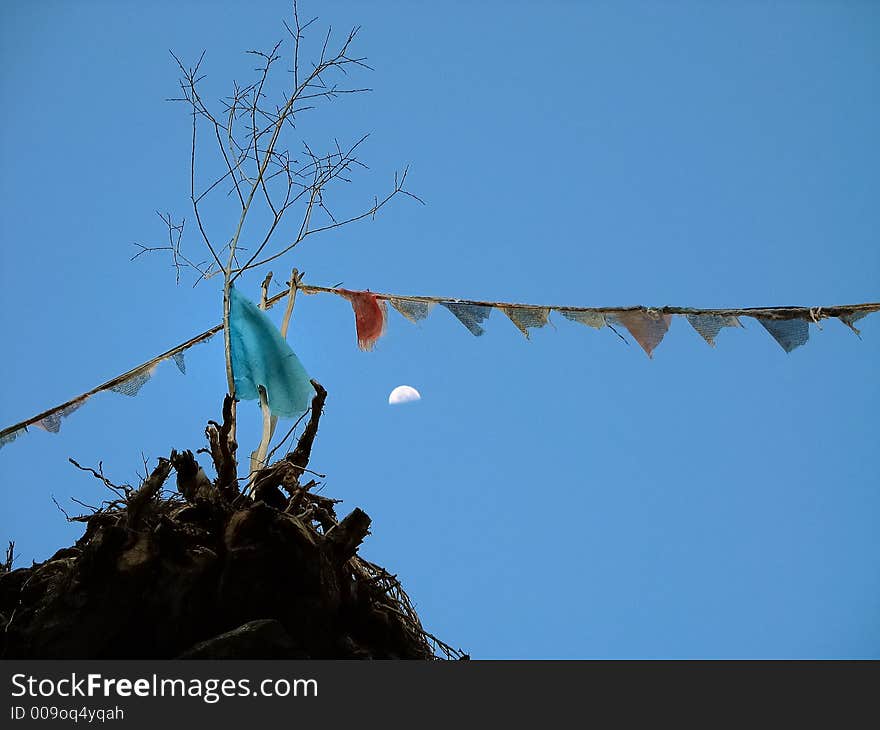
[{"x": 261, "y": 356}]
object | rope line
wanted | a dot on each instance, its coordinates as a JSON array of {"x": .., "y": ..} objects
[{"x": 812, "y": 314}]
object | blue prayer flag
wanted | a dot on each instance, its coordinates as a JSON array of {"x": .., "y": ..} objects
[
  {"x": 470, "y": 315},
  {"x": 261, "y": 356},
  {"x": 709, "y": 325},
  {"x": 789, "y": 333}
]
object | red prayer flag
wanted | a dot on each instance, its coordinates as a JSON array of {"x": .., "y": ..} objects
[
  {"x": 647, "y": 327},
  {"x": 370, "y": 316}
]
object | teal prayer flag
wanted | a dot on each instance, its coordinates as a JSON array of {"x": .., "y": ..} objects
[{"x": 261, "y": 356}]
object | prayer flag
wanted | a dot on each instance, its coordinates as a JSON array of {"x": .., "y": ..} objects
[
  {"x": 646, "y": 326},
  {"x": 709, "y": 325},
  {"x": 789, "y": 333},
  {"x": 526, "y": 317},
  {"x": 262, "y": 357},
  {"x": 370, "y": 316},
  {"x": 470, "y": 315},
  {"x": 11, "y": 436},
  {"x": 412, "y": 309},
  {"x": 131, "y": 386},
  {"x": 591, "y": 319},
  {"x": 850, "y": 321}
]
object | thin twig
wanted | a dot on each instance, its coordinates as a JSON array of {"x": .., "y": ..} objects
[{"x": 119, "y": 491}]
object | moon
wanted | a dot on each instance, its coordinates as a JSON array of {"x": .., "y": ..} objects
[{"x": 403, "y": 394}]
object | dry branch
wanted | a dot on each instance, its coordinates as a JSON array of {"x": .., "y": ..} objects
[
  {"x": 139, "y": 500},
  {"x": 120, "y": 491},
  {"x": 192, "y": 482},
  {"x": 226, "y": 474},
  {"x": 303, "y": 451},
  {"x": 6, "y": 565},
  {"x": 346, "y": 537}
]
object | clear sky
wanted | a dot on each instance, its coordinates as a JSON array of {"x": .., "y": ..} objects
[{"x": 564, "y": 497}]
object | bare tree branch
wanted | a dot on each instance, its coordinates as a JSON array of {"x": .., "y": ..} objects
[
  {"x": 121, "y": 491},
  {"x": 250, "y": 134},
  {"x": 253, "y": 128}
]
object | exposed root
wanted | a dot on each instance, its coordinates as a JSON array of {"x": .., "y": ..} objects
[{"x": 209, "y": 571}]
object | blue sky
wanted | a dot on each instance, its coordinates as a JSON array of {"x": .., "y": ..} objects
[{"x": 564, "y": 497}]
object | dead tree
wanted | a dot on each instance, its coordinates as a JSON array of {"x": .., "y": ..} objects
[{"x": 265, "y": 172}]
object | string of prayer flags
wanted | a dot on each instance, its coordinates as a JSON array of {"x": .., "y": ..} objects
[
  {"x": 470, "y": 315},
  {"x": 789, "y": 333},
  {"x": 647, "y": 326},
  {"x": 51, "y": 420},
  {"x": 595, "y": 320},
  {"x": 262, "y": 358},
  {"x": 526, "y": 318},
  {"x": 128, "y": 384},
  {"x": 788, "y": 325},
  {"x": 709, "y": 325},
  {"x": 370, "y": 316},
  {"x": 413, "y": 310}
]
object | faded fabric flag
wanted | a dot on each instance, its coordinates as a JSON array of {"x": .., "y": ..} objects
[
  {"x": 370, "y": 316},
  {"x": 262, "y": 357},
  {"x": 412, "y": 309},
  {"x": 596, "y": 320},
  {"x": 10, "y": 437},
  {"x": 850, "y": 320},
  {"x": 52, "y": 422},
  {"x": 470, "y": 315},
  {"x": 789, "y": 333},
  {"x": 709, "y": 325},
  {"x": 132, "y": 386},
  {"x": 179, "y": 361},
  {"x": 527, "y": 317},
  {"x": 647, "y": 327}
]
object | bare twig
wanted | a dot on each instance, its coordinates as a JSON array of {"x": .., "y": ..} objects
[
  {"x": 249, "y": 132},
  {"x": 264, "y": 290},
  {"x": 85, "y": 505},
  {"x": 286, "y": 436},
  {"x": 178, "y": 259},
  {"x": 61, "y": 509},
  {"x": 305, "y": 230},
  {"x": 120, "y": 491}
]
